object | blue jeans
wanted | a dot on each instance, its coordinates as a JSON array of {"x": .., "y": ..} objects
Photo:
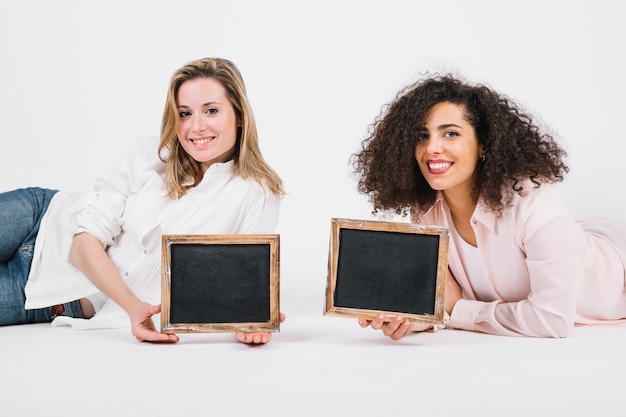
[{"x": 21, "y": 212}]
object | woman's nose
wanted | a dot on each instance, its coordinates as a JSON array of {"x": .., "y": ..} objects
[
  {"x": 432, "y": 145},
  {"x": 198, "y": 123}
]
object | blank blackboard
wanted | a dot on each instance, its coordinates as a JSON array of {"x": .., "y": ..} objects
[
  {"x": 220, "y": 283},
  {"x": 387, "y": 267}
]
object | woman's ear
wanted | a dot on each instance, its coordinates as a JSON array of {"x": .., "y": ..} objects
[{"x": 482, "y": 154}]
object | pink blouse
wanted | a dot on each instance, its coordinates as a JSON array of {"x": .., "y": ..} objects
[{"x": 547, "y": 271}]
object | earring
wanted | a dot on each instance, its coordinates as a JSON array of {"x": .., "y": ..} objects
[{"x": 482, "y": 158}]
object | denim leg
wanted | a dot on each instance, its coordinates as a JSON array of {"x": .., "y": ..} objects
[
  {"x": 20, "y": 215},
  {"x": 21, "y": 212}
]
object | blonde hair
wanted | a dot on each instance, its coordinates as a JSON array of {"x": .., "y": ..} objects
[{"x": 181, "y": 169}]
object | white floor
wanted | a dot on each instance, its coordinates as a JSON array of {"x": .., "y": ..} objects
[{"x": 317, "y": 365}]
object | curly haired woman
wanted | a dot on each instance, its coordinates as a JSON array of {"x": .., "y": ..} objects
[{"x": 450, "y": 153}]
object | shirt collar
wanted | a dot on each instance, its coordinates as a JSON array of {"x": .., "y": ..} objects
[{"x": 481, "y": 214}]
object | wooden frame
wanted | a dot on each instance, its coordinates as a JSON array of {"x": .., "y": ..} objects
[
  {"x": 220, "y": 283},
  {"x": 387, "y": 267}
]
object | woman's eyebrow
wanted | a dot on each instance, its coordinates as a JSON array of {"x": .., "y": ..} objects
[
  {"x": 448, "y": 125},
  {"x": 210, "y": 103}
]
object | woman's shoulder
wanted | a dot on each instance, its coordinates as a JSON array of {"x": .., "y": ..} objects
[
  {"x": 537, "y": 204},
  {"x": 254, "y": 186},
  {"x": 543, "y": 194},
  {"x": 435, "y": 214}
]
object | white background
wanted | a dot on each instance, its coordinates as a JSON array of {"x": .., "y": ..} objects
[{"x": 81, "y": 79}]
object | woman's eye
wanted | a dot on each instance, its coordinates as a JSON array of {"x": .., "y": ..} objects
[
  {"x": 183, "y": 114},
  {"x": 211, "y": 111},
  {"x": 422, "y": 136},
  {"x": 451, "y": 134}
]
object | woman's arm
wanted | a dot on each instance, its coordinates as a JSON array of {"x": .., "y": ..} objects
[
  {"x": 534, "y": 266},
  {"x": 87, "y": 253}
]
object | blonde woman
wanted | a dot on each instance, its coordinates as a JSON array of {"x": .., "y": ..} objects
[{"x": 205, "y": 174}]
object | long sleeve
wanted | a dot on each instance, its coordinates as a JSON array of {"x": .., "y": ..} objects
[
  {"x": 545, "y": 272},
  {"x": 540, "y": 301},
  {"x": 53, "y": 279},
  {"x": 102, "y": 214},
  {"x": 129, "y": 210}
]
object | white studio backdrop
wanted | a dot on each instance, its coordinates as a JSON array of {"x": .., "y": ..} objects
[{"x": 81, "y": 79}]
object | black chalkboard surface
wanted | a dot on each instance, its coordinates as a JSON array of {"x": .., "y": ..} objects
[
  {"x": 387, "y": 267},
  {"x": 220, "y": 283}
]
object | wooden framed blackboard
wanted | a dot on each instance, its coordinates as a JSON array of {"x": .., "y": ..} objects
[
  {"x": 220, "y": 283},
  {"x": 387, "y": 267}
]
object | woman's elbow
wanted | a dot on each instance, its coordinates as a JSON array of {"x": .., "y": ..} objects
[
  {"x": 82, "y": 244},
  {"x": 559, "y": 327}
]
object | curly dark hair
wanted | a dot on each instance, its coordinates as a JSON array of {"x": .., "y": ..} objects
[{"x": 516, "y": 148}]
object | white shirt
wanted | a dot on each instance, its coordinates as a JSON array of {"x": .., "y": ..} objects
[
  {"x": 470, "y": 258},
  {"x": 129, "y": 211}
]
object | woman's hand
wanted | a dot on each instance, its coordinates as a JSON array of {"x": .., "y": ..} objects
[
  {"x": 89, "y": 255},
  {"x": 142, "y": 326},
  {"x": 396, "y": 328},
  {"x": 257, "y": 338}
]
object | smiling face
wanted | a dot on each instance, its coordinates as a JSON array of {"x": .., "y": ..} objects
[
  {"x": 208, "y": 123},
  {"x": 447, "y": 151}
]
